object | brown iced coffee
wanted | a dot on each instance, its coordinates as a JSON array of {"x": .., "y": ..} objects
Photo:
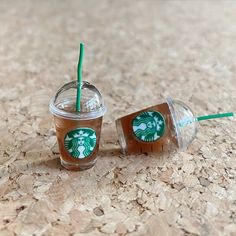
[
  {"x": 78, "y": 133},
  {"x": 150, "y": 130}
]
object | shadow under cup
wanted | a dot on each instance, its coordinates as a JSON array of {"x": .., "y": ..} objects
[{"x": 78, "y": 133}]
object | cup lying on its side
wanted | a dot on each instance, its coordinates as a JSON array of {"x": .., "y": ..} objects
[{"x": 165, "y": 127}]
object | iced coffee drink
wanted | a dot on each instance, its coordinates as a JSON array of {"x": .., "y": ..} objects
[
  {"x": 78, "y": 133},
  {"x": 162, "y": 128},
  {"x": 147, "y": 131}
]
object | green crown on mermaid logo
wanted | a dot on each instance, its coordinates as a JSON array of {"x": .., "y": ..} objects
[
  {"x": 80, "y": 142},
  {"x": 149, "y": 126}
]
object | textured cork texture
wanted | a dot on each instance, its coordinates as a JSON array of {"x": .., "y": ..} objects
[{"x": 136, "y": 53}]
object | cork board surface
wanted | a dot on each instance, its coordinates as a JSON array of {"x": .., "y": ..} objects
[{"x": 136, "y": 53}]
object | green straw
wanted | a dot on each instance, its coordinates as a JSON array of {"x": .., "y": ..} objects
[
  {"x": 208, "y": 117},
  {"x": 79, "y": 76},
  {"x": 214, "y": 116}
]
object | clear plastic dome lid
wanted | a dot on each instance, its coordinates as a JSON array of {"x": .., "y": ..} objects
[
  {"x": 64, "y": 102},
  {"x": 184, "y": 122}
]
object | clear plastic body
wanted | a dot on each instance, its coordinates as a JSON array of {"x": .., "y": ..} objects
[
  {"x": 162, "y": 128},
  {"x": 78, "y": 133}
]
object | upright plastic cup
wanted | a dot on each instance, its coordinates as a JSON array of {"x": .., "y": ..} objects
[
  {"x": 161, "y": 128},
  {"x": 78, "y": 133}
]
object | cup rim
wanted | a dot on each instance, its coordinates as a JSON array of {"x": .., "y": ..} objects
[
  {"x": 182, "y": 145},
  {"x": 72, "y": 116},
  {"x": 174, "y": 120}
]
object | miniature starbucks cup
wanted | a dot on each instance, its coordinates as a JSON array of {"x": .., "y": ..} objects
[
  {"x": 165, "y": 127},
  {"x": 157, "y": 129},
  {"x": 78, "y": 133}
]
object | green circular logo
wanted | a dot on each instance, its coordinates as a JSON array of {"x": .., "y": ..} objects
[
  {"x": 149, "y": 126},
  {"x": 80, "y": 142}
]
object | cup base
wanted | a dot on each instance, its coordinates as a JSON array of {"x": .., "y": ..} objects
[{"x": 77, "y": 167}]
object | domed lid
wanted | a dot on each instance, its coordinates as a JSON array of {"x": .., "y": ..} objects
[
  {"x": 64, "y": 102},
  {"x": 184, "y": 122}
]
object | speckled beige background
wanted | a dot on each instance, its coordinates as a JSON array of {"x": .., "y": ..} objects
[{"x": 136, "y": 53}]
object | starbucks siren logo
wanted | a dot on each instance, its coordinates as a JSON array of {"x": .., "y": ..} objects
[
  {"x": 149, "y": 126},
  {"x": 80, "y": 142}
]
